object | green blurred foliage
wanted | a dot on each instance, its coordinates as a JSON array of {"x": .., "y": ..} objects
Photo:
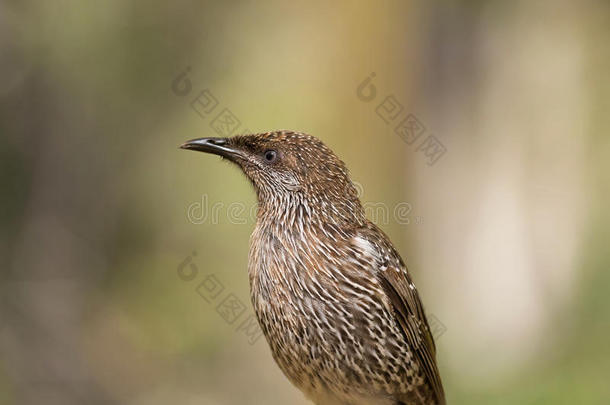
[{"x": 96, "y": 192}]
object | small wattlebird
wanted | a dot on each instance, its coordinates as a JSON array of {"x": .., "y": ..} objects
[{"x": 332, "y": 295}]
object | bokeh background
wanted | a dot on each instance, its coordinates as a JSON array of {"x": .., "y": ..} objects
[{"x": 108, "y": 229}]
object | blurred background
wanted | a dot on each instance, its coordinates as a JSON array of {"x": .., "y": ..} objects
[{"x": 477, "y": 133}]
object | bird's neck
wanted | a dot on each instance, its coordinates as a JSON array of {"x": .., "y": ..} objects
[{"x": 295, "y": 211}]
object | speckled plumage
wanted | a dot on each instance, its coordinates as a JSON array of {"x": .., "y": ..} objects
[{"x": 334, "y": 299}]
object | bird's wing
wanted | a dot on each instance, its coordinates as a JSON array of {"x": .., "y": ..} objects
[{"x": 408, "y": 309}]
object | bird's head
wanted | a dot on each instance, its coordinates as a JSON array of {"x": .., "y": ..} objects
[{"x": 289, "y": 169}]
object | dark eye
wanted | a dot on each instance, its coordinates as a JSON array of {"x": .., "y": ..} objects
[{"x": 270, "y": 155}]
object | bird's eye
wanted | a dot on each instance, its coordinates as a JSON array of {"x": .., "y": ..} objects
[{"x": 270, "y": 155}]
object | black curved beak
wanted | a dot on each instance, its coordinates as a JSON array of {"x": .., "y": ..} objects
[{"x": 216, "y": 146}]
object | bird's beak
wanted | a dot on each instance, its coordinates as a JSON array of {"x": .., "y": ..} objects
[{"x": 217, "y": 146}]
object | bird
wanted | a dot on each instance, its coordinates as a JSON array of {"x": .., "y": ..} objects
[{"x": 333, "y": 298}]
